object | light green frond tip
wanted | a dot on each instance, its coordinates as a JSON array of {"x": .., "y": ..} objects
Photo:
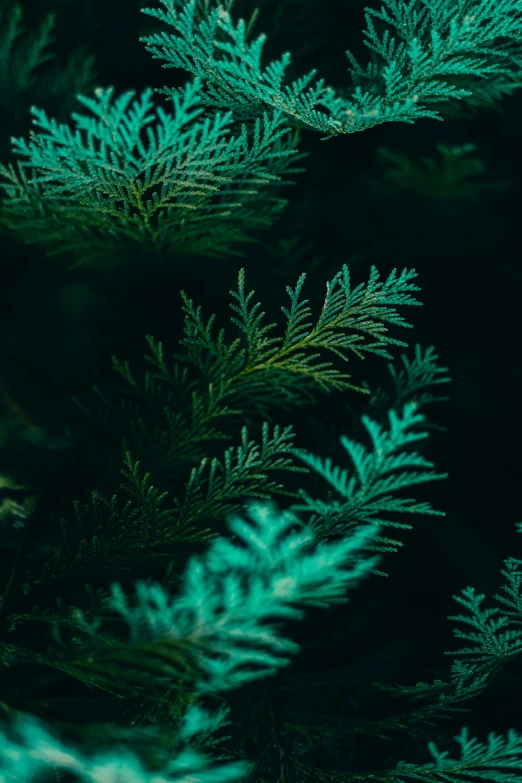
[
  {"x": 498, "y": 760},
  {"x": 234, "y": 597},
  {"x": 30, "y": 753},
  {"x": 365, "y": 493}
]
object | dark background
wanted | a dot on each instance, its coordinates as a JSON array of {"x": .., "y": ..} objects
[{"x": 59, "y": 328}]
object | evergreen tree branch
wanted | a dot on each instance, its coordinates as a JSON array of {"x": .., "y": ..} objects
[{"x": 424, "y": 52}]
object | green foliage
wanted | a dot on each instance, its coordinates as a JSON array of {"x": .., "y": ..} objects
[
  {"x": 229, "y": 610},
  {"x": 193, "y": 615},
  {"x": 493, "y": 642},
  {"x": 366, "y": 492},
  {"x": 35, "y": 754},
  {"x": 495, "y": 635},
  {"x": 223, "y": 628},
  {"x": 498, "y": 760},
  {"x": 142, "y": 525},
  {"x": 512, "y": 597},
  {"x": 352, "y": 319},
  {"x": 233, "y": 598},
  {"x": 432, "y": 701},
  {"x": 173, "y": 418},
  {"x": 226, "y": 622},
  {"x": 427, "y": 52},
  {"x": 130, "y": 176},
  {"x": 181, "y": 406}
]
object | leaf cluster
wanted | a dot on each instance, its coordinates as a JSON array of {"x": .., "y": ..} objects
[
  {"x": 131, "y": 178},
  {"x": 423, "y": 52}
]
